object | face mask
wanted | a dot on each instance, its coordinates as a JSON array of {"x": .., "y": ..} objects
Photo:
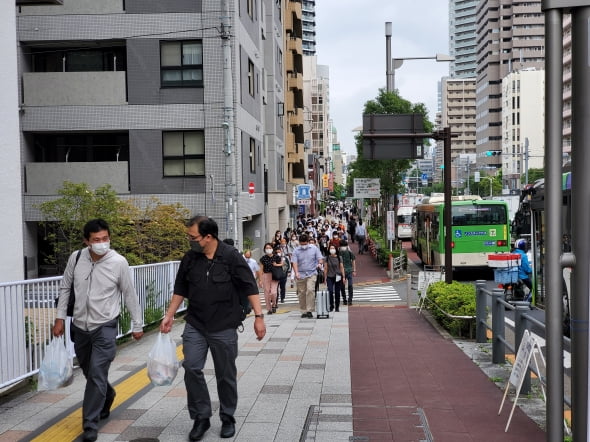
[
  {"x": 196, "y": 247},
  {"x": 332, "y": 251},
  {"x": 304, "y": 246},
  {"x": 268, "y": 251},
  {"x": 279, "y": 254},
  {"x": 100, "y": 248},
  {"x": 343, "y": 249}
]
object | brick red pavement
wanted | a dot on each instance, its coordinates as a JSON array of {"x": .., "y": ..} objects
[
  {"x": 408, "y": 381},
  {"x": 367, "y": 269}
]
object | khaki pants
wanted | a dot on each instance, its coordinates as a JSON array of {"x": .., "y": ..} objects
[{"x": 306, "y": 293}]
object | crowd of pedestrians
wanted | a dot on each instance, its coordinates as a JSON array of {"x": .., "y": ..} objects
[{"x": 316, "y": 251}]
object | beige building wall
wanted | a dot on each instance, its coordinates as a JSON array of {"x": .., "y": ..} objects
[{"x": 458, "y": 113}]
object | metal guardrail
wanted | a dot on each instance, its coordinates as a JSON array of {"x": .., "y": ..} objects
[
  {"x": 27, "y": 314},
  {"x": 522, "y": 321}
]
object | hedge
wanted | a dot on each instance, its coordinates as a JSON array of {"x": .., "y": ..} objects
[{"x": 457, "y": 299}]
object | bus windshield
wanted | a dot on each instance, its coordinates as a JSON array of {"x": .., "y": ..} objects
[
  {"x": 478, "y": 214},
  {"x": 404, "y": 219}
]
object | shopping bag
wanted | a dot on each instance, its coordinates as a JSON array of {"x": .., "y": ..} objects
[
  {"x": 57, "y": 367},
  {"x": 162, "y": 365}
]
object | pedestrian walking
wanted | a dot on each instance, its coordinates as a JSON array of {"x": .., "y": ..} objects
[
  {"x": 253, "y": 264},
  {"x": 286, "y": 264},
  {"x": 361, "y": 236},
  {"x": 99, "y": 275},
  {"x": 334, "y": 273},
  {"x": 212, "y": 276},
  {"x": 349, "y": 263},
  {"x": 306, "y": 261},
  {"x": 270, "y": 285}
]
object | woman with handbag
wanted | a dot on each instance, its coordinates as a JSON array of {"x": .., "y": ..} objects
[
  {"x": 334, "y": 272},
  {"x": 271, "y": 266}
]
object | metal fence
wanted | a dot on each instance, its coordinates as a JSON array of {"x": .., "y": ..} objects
[
  {"x": 523, "y": 320},
  {"x": 27, "y": 314}
]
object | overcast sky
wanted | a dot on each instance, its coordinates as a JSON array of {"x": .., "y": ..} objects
[{"x": 350, "y": 36}]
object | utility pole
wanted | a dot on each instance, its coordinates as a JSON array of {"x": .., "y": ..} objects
[
  {"x": 388, "y": 67},
  {"x": 231, "y": 194}
]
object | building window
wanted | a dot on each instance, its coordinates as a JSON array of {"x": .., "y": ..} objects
[
  {"x": 181, "y": 63},
  {"x": 250, "y": 8},
  {"x": 252, "y": 155},
  {"x": 183, "y": 153},
  {"x": 250, "y": 77}
]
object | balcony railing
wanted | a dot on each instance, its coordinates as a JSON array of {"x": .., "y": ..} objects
[{"x": 74, "y": 88}]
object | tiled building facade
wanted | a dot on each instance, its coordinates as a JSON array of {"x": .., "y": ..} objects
[{"x": 132, "y": 93}]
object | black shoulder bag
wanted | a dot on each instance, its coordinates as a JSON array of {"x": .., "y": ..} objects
[{"x": 72, "y": 298}]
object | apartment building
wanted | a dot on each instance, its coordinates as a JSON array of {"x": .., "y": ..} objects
[
  {"x": 308, "y": 18},
  {"x": 133, "y": 93},
  {"x": 458, "y": 113},
  {"x": 510, "y": 36},
  {"x": 294, "y": 110},
  {"x": 462, "y": 37},
  {"x": 523, "y": 125},
  {"x": 318, "y": 133}
]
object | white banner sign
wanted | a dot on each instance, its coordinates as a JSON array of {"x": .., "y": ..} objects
[
  {"x": 367, "y": 188},
  {"x": 390, "y": 225}
]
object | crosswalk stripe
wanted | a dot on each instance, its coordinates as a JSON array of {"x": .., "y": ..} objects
[{"x": 376, "y": 293}]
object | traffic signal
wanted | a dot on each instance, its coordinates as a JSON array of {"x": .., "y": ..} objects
[{"x": 493, "y": 153}]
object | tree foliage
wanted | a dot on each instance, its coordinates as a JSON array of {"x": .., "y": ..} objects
[{"x": 154, "y": 232}]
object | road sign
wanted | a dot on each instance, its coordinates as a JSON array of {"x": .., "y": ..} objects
[
  {"x": 251, "y": 190},
  {"x": 367, "y": 188},
  {"x": 303, "y": 192},
  {"x": 304, "y": 202}
]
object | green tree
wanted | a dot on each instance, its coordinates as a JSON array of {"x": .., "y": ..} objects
[
  {"x": 339, "y": 190},
  {"x": 534, "y": 175},
  {"x": 152, "y": 233}
]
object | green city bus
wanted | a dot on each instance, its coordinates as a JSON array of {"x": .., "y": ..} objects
[{"x": 479, "y": 227}]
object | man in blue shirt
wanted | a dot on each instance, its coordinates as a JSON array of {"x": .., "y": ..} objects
[
  {"x": 306, "y": 260},
  {"x": 524, "y": 270}
]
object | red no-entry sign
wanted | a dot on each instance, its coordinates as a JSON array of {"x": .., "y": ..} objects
[{"x": 251, "y": 188}]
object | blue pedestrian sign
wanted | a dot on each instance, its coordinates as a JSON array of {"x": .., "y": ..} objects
[{"x": 303, "y": 192}]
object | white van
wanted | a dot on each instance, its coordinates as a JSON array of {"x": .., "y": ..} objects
[{"x": 404, "y": 222}]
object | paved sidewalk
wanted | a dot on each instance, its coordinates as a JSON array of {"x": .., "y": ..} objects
[{"x": 373, "y": 373}]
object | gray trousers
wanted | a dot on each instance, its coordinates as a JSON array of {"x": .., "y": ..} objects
[
  {"x": 95, "y": 351},
  {"x": 224, "y": 350}
]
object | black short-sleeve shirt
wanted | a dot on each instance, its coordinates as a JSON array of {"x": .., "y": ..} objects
[
  {"x": 211, "y": 286},
  {"x": 267, "y": 261}
]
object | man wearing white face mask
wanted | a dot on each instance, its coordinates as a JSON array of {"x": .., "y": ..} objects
[{"x": 99, "y": 277}]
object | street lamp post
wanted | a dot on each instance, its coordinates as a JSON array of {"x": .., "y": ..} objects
[
  {"x": 397, "y": 63},
  {"x": 491, "y": 179}
]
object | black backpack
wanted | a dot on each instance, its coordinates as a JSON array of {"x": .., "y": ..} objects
[{"x": 72, "y": 298}]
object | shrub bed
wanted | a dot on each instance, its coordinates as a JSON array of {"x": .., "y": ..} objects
[{"x": 457, "y": 299}]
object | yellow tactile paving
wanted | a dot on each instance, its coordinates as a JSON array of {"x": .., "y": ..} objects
[{"x": 70, "y": 427}]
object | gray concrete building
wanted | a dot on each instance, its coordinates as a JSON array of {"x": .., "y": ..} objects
[
  {"x": 132, "y": 93},
  {"x": 462, "y": 38}
]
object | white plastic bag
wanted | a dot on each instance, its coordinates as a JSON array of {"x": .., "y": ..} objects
[
  {"x": 57, "y": 367},
  {"x": 162, "y": 365}
]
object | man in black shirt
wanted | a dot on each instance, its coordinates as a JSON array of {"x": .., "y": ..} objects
[{"x": 211, "y": 277}]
